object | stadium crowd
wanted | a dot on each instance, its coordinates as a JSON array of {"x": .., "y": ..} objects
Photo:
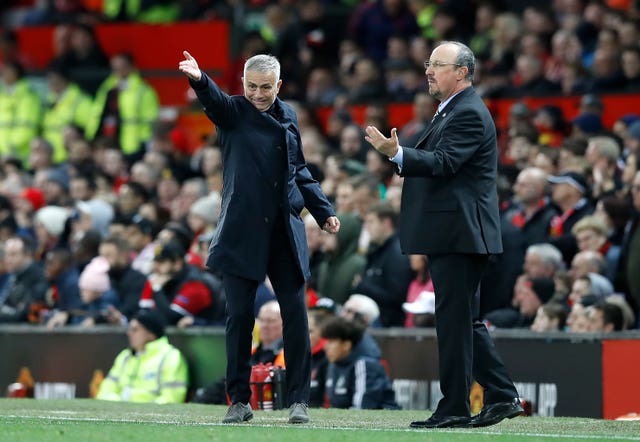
[{"x": 105, "y": 211}]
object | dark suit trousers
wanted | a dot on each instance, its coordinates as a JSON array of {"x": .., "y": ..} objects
[
  {"x": 288, "y": 284},
  {"x": 465, "y": 349}
]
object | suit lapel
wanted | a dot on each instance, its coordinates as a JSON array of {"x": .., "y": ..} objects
[{"x": 437, "y": 119}]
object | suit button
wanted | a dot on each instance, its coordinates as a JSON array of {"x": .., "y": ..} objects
[
  {"x": 266, "y": 220},
  {"x": 279, "y": 147},
  {"x": 275, "y": 184}
]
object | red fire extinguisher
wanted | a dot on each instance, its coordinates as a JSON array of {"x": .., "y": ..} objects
[{"x": 261, "y": 387}]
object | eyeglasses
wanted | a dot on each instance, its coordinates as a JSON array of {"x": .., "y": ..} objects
[{"x": 439, "y": 64}]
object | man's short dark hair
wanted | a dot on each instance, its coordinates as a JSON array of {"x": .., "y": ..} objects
[
  {"x": 384, "y": 210},
  {"x": 343, "y": 330}
]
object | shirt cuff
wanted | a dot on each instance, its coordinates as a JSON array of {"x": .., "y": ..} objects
[{"x": 397, "y": 158}]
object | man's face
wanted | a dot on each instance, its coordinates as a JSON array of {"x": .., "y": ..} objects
[
  {"x": 589, "y": 239},
  {"x": 376, "y": 228},
  {"x": 336, "y": 349},
  {"x": 14, "y": 256},
  {"x": 596, "y": 320},
  {"x": 270, "y": 325},
  {"x": 138, "y": 335},
  {"x": 527, "y": 188},
  {"x": 261, "y": 88},
  {"x": 442, "y": 74}
]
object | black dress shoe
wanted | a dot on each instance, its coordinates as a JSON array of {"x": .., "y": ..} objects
[
  {"x": 443, "y": 422},
  {"x": 494, "y": 413}
]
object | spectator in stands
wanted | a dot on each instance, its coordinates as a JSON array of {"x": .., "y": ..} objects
[
  {"x": 524, "y": 223},
  {"x": 591, "y": 234},
  {"x": 124, "y": 109},
  {"x": 353, "y": 380},
  {"x": 270, "y": 345},
  {"x": 140, "y": 234},
  {"x": 131, "y": 196},
  {"x": 50, "y": 223},
  {"x": 532, "y": 82},
  {"x": 319, "y": 362},
  {"x": 322, "y": 88},
  {"x": 20, "y": 112},
  {"x": 372, "y": 24},
  {"x": 341, "y": 263},
  {"x": 589, "y": 288},
  {"x": 164, "y": 11},
  {"x": 550, "y": 317},
  {"x": 605, "y": 317},
  {"x": 95, "y": 290},
  {"x": 93, "y": 214},
  {"x": 29, "y": 201},
  {"x": 578, "y": 319},
  {"x": 603, "y": 154},
  {"x": 384, "y": 258},
  {"x": 125, "y": 280},
  {"x": 542, "y": 261},
  {"x": 621, "y": 125},
  {"x": 631, "y": 68},
  {"x": 422, "y": 311},
  {"x": 423, "y": 110},
  {"x": 569, "y": 193},
  {"x": 150, "y": 369},
  {"x": 26, "y": 284},
  {"x": 65, "y": 104},
  {"x": 587, "y": 261},
  {"x": 615, "y": 213},
  {"x": 565, "y": 53},
  {"x": 352, "y": 143},
  {"x": 528, "y": 296},
  {"x": 10, "y": 50},
  {"x": 421, "y": 283},
  {"x": 551, "y": 126},
  {"x": 367, "y": 84},
  {"x": 606, "y": 72},
  {"x": 64, "y": 302},
  {"x": 315, "y": 241},
  {"x": 179, "y": 290},
  {"x": 630, "y": 257},
  {"x": 190, "y": 191}
]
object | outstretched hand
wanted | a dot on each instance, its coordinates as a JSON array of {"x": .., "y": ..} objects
[
  {"x": 189, "y": 66},
  {"x": 384, "y": 145}
]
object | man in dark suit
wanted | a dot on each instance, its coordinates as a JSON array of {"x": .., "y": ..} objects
[
  {"x": 450, "y": 213},
  {"x": 266, "y": 185}
]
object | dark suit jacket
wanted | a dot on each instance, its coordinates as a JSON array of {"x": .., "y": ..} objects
[
  {"x": 449, "y": 198},
  {"x": 264, "y": 176}
]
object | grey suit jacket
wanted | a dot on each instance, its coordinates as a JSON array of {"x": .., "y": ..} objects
[{"x": 449, "y": 198}]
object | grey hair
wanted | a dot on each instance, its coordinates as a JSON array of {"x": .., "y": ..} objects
[
  {"x": 464, "y": 58},
  {"x": 365, "y": 306},
  {"x": 548, "y": 253},
  {"x": 263, "y": 63}
]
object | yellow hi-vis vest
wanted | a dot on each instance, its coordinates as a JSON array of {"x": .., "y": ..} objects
[
  {"x": 159, "y": 374},
  {"x": 72, "y": 107},
  {"x": 166, "y": 13},
  {"x": 138, "y": 107},
  {"x": 20, "y": 112}
]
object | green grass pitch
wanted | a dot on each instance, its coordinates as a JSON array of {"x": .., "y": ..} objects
[{"x": 86, "y": 420}]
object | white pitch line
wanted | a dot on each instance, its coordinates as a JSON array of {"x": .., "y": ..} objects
[{"x": 266, "y": 425}]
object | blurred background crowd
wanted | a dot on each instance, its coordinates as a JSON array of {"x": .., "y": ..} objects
[{"x": 106, "y": 209}]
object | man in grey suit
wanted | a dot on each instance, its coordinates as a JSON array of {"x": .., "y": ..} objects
[
  {"x": 266, "y": 184},
  {"x": 450, "y": 213}
]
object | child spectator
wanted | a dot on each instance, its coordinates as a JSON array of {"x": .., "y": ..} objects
[{"x": 354, "y": 381}]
